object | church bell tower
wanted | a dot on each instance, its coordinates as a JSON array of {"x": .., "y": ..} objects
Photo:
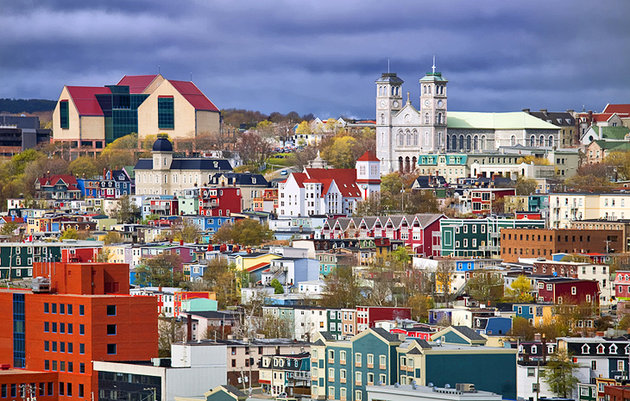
[{"x": 388, "y": 103}]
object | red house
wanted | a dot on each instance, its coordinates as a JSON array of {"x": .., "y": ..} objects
[
  {"x": 423, "y": 333},
  {"x": 368, "y": 315},
  {"x": 219, "y": 201},
  {"x": 564, "y": 290},
  {"x": 80, "y": 255},
  {"x": 622, "y": 285}
]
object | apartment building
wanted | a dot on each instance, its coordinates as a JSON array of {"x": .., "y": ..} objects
[{"x": 565, "y": 208}]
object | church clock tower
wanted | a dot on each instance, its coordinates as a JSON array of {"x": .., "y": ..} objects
[
  {"x": 433, "y": 111},
  {"x": 388, "y": 103}
]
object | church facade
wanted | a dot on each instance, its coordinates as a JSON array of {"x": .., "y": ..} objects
[{"x": 404, "y": 132}]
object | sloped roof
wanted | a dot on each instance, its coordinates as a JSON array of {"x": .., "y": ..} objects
[
  {"x": 512, "y": 120},
  {"x": 84, "y": 99},
  {"x": 299, "y": 178},
  {"x": 258, "y": 266},
  {"x": 613, "y": 145},
  {"x": 469, "y": 333},
  {"x": 385, "y": 334},
  {"x": 599, "y": 117},
  {"x": 194, "y": 96},
  {"x": 137, "y": 83},
  {"x": 188, "y": 164},
  {"x": 345, "y": 180},
  {"x": 614, "y": 132},
  {"x": 617, "y": 108},
  {"x": 368, "y": 156},
  {"x": 559, "y": 118},
  {"x": 52, "y": 180}
]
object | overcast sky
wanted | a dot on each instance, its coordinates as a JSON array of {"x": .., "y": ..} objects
[{"x": 323, "y": 56}]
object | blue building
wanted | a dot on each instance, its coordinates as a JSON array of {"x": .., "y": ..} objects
[
  {"x": 209, "y": 224},
  {"x": 492, "y": 325}
]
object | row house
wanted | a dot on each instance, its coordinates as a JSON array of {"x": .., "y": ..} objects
[
  {"x": 478, "y": 237},
  {"x": 160, "y": 205},
  {"x": 418, "y": 232},
  {"x": 210, "y": 224},
  {"x": 535, "y": 242},
  {"x": 286, "y": 375},
  {"x": 57, "y": 189},
  {"x": 582, "y": 271},
  {"x": 251, "y": 185},
  {"x": 266, "y": 201},
  {"x": 480, "y": 200},
  {"x": 319, "y": 191},
  {"x": 622, "y": 285},
  {"x": 561, "y": 290},
  {"x": 219, "y": 201},
  {"x": 598, "y": 357}
]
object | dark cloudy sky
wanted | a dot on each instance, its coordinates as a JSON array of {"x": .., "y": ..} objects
[{"x": 323, "y": 56}]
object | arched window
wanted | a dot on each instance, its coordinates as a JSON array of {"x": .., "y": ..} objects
[
  {"x": 408, "y": 138},
  {"x": 429, "y": 89},
  {"x": 382, "y": 118},
  {"x": 440, "y": 140},
  {"x": 532, "y": 140},
  {"x": 439, "y": 119},
  {"x": 426, "y": 138},
  {"x": 415, "y": 138},
  {"x": 476, "y": 143},
  {"x": 426, "y": 118},
  {"x": 513, "y": 140},
  {"x": 468, "y": 142},
  {"x": 424, "y": 89},
  {"x": 400, "y": 138},
  {"x": 454, "y": 142},
  {"x": 400, "y": 164},
  {"x": 550, "y": 141},
  {"x": 541, "y": 140},
  {"x": 407, "y": 164},
  {"x": 414, "y": 163},
  {"x": 483, "y": 142},
  {"x": 461, "y": 142}
]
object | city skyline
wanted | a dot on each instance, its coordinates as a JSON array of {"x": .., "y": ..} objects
[{"x": 323, "y": 58}]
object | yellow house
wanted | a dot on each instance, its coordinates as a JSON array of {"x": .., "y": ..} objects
[{"x": 244, "y": 262}]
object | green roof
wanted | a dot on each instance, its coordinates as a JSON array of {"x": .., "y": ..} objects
[
  {"x": 513, "y": 120},
  {"x": 613, "y": 132},
  {"x": 613, "y": 145},
  {"x": 433, "y": 77}
]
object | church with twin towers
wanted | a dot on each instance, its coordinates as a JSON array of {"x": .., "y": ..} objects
[{"x": 405, "y": 133}]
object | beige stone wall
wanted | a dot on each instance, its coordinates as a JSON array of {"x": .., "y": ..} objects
[
  {"x": 92, "y": 127},
  {"x": 184, "y": 114},
  {"x": 208, "y": 123},
  {"x": 167, "y": 182},
  {"x": 153, "y": 85}
]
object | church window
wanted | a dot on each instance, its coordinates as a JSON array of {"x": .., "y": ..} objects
[
  {"x": 424, "y": 89},
  {"x": 512, "y": 140},
  {"x": 439, "y": 119},
  {"x": 408, "y": 138},
  {"x": 532, "y": 140},
  {"x": 426, "y": 138},
  {"x": 541, "y": 141},
  {"x": 400, "y": 138},
  {"x": 440, "y": 139},
  {"x": 429, "y": 89},
  {"x": 415, "y": 138},
  {"x": 426, "y": 118},
  {"x": 414, "y": 161},
  {"x": 550, "y": 141},
  {"x": 476, "y": 143},
  {"x": 382, "y": 118},
  {"x": 483, "y": 142},
  {"x": 461, "y": 142},
  {"x": 468, "y": 142},
  {"x": 454, "y": 142}
]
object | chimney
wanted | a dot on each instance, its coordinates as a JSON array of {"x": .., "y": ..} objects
[
  {"x": 537, "y": 337},
  {"x": 544, "y": 111},
  {"x": 526, "y": 111}
]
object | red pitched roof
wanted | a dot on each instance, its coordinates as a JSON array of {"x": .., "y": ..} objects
[
  {"x": 84, "y": 98},
  {"x": 52, "y": 180},
  {"x": 617, "y": 108},
  {"x": 9, "y": 219},
  {"x": 602, "y": 116},
  {"x": 257, "y": 266},
  {"x": 369, "y": 156},
  {"x": 344, "y": 178},
  {"x": 137, "y": 83},
  {"x": 194, "y": 96},
  {"x": 299, "y": 178}
]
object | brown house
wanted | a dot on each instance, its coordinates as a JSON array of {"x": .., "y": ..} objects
[{"x": 533, "y": 243}]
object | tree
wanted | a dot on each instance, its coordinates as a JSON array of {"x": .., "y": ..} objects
[
  {"x": 340, "y": 153},
  {"x": 122, "y": 152},
  {"x": 277, "y": 286},
  {"x": 170, "y": 331},
  {"x": 522, "y": 329},
  {"x": 624, "y": 323},
  {"x": 253, "y": 148},
  {"x": 444, "y": 278},
  {"x": 392, "y": 186},
  {"x": 420, "y": 305},
  {"x": 531, "y": 159},
  {"x": 369, "y": 207},
  {"x": 341, "y": 289},
  {"x": 420, "y": 201},
  {"x": 245, "y": 232},
  {"x": 520, "y": 290},
  {"x": 112, "y": 237},
  {"x": 265, "y": 129},
  {"x": 9, "y": 228},
  {"x": 159, "y": 271},
  {"x": 303, "y": 128},
  {"x": 186, "y": 231},
  {"x": 485, "y": 286},
  {"x": 69, "y": 233},
  {"x": 126, "y": 211},
  {"x": 558, "y": 374},
  {"x": 620, "y": 162},
  {"x": 498, "y": 206},
  {"x": 83, "y": 167},
  {"x": 590, "y": 178},
  {"x": 273, "y": 326},
  {"x": 221, "y": 278},
  {"x": 525, "y": 186}
]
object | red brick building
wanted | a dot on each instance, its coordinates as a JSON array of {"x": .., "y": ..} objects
[
  {"x": 86, "y": 314},
  {"x": 27, "y": 384},
  {"x": 368, "y": 315},
  {"x": 616, "y": 393}
]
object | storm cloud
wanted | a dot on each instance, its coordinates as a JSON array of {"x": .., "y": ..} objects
[{"x": 323, "y": 56}]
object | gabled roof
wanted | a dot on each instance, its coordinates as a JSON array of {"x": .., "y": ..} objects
[
  {"x": 561, "y": 119},
  {"x": 368, "y": 156},
  {"x": 137, "y": 83},
  {"x": 52, "y": 180},
  {"x": 84, "y": 99},
  {"x": 385, "y": 334},
  {"x": 614, "y": 132},
  {"x": 600, "y": 117},
  {"x": 469, "y": 333},
  {"x": 617, "y": 108},
  {"x": 299, "y": 178},
  {"x": 194, "y": 96}
]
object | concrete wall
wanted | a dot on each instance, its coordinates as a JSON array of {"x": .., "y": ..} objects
[{"x": 184, "y": 114}]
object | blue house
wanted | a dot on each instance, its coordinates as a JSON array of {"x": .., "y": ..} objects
[
  {"x": 493, "y": 325},
  {"x": 209, "y": 224}
]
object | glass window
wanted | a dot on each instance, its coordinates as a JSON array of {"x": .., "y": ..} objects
[
  {"x": 166, "y": 115},
  {"x": 69, "y": 309},
  {"x": 111, "y": 349},
  {"x": 81, "y": 310},
  {"x": 46, "y": 307},
  {"x": 111, "y": 310},
  {"x": 111, "y": 329},
  {"x": 64, "y": 118}
]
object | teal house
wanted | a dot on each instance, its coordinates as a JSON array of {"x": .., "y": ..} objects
[
  {"x": 225, "y": 392},
  {"x": 341, "y": 370},
  {"x": 478, "y": 237}
]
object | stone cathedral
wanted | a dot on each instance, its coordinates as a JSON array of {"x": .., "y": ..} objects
[{"x": 402, "y": 131}]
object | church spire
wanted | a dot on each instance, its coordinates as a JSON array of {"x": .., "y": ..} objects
[{"x": 408, "y": 100}]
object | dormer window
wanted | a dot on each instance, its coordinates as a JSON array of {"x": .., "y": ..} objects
[
  {"x": 600, "y": 349},
  {"x": 613, "y": 349},
  {"x": 586, "y": 349}
]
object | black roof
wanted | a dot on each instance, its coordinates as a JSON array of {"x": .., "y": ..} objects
[
  {"x": 215, "y": 314},
  {"x": 238, "y": 393},
  {"x": 560, "y": 119},
  {"x": 422, "y": 343},
  {"x": 386, "y": 334},
  {"x": 241, "y": 179},
  {"x": 188, "y": 164},
  {"x": 162, "y": 145},
  {"x": 469, "y": 333},
  {"x": 327, "y": 335}
]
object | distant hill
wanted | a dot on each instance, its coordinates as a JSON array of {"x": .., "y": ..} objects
[{"x": 16, "y": 106}]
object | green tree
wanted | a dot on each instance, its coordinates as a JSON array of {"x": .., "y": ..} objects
[
  {"x": 9, "y": 228},
  {"x": 246, "y": 232},
  {"x": 525, "y": 186},
  {"x": 277, "y": 286},
  {"x": 122, "y": 152},
  {"x": 83, "y": 167},
  {"x": 420, "y": 202},
  {"x": 223, "y": 279},
  {"x": 112, "y": 237},
  {"x": 392, "y": 186},
  {"x": 186, "y": 231},
  {"x": 485, "y": 286},
  {"x": 624, "y": 323},
  {"x": 126, "y": 211},
  {"x": 558, "y": 374},
  {"x": 341, "y": 153},
  {"x": 520, "y": 290},
  {"x": 69, "y": 233},
  {"x": 303, "y": 128},
  {"x": 369, "y": 207},
  {"x": 342, "y": 289},
  {"x": 444, "y": 278},
  {"x": 159, "y": 271}
]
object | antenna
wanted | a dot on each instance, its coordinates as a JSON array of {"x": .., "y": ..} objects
[{"x": 433, "y": 67}]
